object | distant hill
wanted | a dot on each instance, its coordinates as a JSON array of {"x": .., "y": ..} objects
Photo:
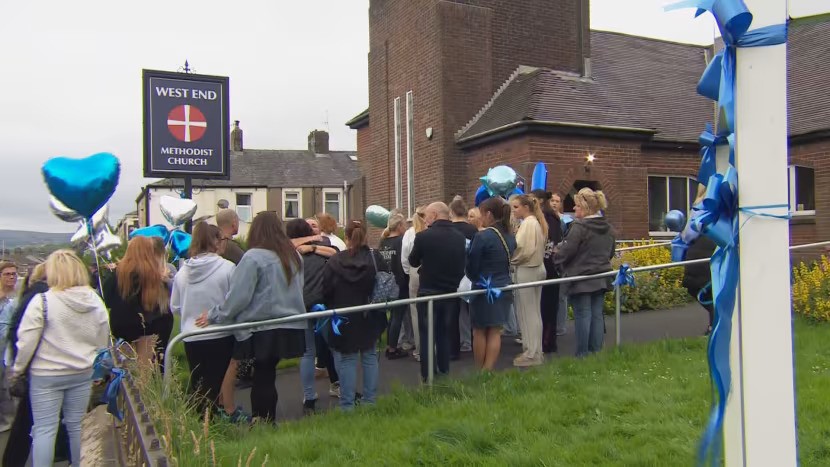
[{"x": 19, "y": 238}]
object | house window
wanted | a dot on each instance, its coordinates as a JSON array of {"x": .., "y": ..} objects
[
  {"x": 802, "y": 185},
  {"x": 243, "y": 207},
  {"x": 666, "y": 194},
  {"x": 333, "y": 204},
  {"x": 291, "y": 203}
]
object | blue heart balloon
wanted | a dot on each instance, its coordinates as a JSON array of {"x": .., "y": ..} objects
[
  {"x": 179, "y": 243},
  {"x": 83, "y": 185},
  {"x": 157, "y": 230}
]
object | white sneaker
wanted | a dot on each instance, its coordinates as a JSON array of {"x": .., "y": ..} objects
[
  {"x": 334, "y": 389},
  {"x": 523, "y": 361},
  {"x": 417, "y": 356},
  {"x": 407, "y": 346},
  {"x": 466, "y": 348}
]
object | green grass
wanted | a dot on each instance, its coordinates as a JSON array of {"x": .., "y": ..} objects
[{"x": 640, "y": 405}]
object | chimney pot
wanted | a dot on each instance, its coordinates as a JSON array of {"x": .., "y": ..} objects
[
  {"x": 318, "y": 142},
  {"x": 236, "y": 137}
]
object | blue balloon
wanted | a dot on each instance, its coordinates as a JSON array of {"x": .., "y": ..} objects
[
  {"x": 180, "y": 243},
  {"x": 539, "y": 181},
  {"x": 675, "y": 220},
  {"x": 157, "y": 230},
  {"x": 83, "y": 185},
  {"x": 481, "y": 195},
  {"x": 500, "y": 181},
  {"x": 517, "y": 192}
]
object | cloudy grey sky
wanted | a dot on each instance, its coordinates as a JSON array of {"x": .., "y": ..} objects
[{"x": 71, "y": 81}]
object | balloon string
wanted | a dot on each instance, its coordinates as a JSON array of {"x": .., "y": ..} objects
[{"x": 95, "y": 253}]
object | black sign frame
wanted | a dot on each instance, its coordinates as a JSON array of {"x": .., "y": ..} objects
[{"x": 149, "y": 171}]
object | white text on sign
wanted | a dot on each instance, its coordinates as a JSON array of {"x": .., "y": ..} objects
[{"x": 184, "y": 93}]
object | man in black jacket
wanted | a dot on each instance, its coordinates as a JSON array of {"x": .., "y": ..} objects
[{"x": 440, "y": 252}]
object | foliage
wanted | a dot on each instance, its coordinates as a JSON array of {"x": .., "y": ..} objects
[
  {"x": 638, "y": 405},
  {"x": 811, "y": 289},
  {"x": 654, "y": 290}
]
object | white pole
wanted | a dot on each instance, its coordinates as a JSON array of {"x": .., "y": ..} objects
[
  {"x": 617, "y": 312},
  {"x": 397, "y": 152},
  {"x": 766, "y": 389}
]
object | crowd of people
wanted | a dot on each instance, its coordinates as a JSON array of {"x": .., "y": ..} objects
[{"x": 292, "y": 268}]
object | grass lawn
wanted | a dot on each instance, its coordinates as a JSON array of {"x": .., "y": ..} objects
[{"x": 640, "y": 405}]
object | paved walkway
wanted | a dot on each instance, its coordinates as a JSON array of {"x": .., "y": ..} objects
[{"x": 687, "y": 321}]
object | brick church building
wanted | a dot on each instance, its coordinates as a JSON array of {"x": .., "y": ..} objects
[{"x": 459, "y": 86}]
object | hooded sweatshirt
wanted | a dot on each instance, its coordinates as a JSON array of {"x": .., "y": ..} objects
[
  {"x": 203, "y": 283},
  {"x": 75, "y": 329},
  {"x": 587, "y": 249},
  {"x": 348, "y": 281}
]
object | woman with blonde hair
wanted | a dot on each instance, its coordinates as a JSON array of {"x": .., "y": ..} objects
[
  {"x": 588, "y": 248},
  {"x": 59, "y": 336},
  {"x": 419, "y": 224},
  {"x": 390, "y": 249},
  {"x": 528, "y": 261},
  {"x": 138, "y": 297}
]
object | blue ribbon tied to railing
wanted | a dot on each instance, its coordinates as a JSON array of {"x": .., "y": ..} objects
[
  {"x": 111, "y": 393},
  {"x": 492, "y": 293},
  {"x": 335, "y": 320},
  {"x": 717, "y": 215},
  {"x": 625, "y": 276}
]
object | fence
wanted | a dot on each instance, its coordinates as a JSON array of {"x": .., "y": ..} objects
[{"x": 430, "y": 301}]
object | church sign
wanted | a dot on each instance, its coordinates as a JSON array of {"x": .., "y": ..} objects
[{"x": 186, "y": 125}]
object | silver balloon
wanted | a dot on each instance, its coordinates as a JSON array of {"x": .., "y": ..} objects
[
  {"x": 675, "y": 220},
  {"x": 101, "y": 217},
  {"x": 105, "y": 241},
  {"x": 501, "y": 181},
  {"x": 177, "y": 211},
  {"x": 62, "y": 212},
  {"x": 80, "y": 237}
]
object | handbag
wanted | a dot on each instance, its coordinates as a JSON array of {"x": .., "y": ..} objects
[
  {"x": 386, "y": 287},
  {"x": 19, "y": 385}
]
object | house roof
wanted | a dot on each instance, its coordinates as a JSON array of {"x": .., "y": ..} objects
[
  {"x": 283, "y": 168},
  {"x": 359, "y": 121},
  {"x": 637, "y": 84}
]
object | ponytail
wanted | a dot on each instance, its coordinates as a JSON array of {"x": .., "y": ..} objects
[
  {"x": 533, "y": 203},
  {"x": 356, "y": 234},
  {"x": 500, "y": 211}
]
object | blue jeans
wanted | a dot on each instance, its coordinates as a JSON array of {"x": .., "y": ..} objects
[
  {"x": 49, "y": 396},
  {"x": 589, "y": 322},
  {"x": 307, "y": 365},
  {"x": 346, "y": 364}
]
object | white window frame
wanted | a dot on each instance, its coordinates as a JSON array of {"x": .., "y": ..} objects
[
  {"x": 341, "y": 204},
  {"x": 299, "y": 193},
  {"x": 688, "y": 201},
  {"x": 250, "y": 207},
  {"x": 793, "y": 191}
]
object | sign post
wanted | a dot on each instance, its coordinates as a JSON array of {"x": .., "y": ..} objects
[{"x": 186, "y": 127}]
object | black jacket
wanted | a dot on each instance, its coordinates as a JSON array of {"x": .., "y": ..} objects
[
  {"x": 467, "y": 230},
  {"x": 390, "y": 249},
  {"x": 587, "y": 249},
  {"x": 348, "y": 281},
  {"x": 555, "y": 237},
  {"x": 313, "y": 267},
  {"x": 440, "y": 251},
  {"x": 34, "y": 289},
  {"x": 128, "y": 318},
  {"x": 698, "y": 275}
]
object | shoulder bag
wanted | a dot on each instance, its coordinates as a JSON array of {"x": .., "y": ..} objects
[{"x": 19, "y": 386}]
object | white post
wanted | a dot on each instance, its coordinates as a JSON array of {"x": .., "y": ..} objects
[
  {"x": 763, "y": 400},
  {"x": 617, "y": 292},
  {"x": 410, "y": 155},
  {"x": 430, "y": 343},
  {"x": 397, "y": 154}
]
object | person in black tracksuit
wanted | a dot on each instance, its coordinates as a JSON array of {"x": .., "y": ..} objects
[
  {"x": 458, "y": 214},
  {"x": 441, "y": 253},
  {"x": 391, "y": 245},
  {"x": 550, "y": 293},
  {"x": 698, "y": 277}
]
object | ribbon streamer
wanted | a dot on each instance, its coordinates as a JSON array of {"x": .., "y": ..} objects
[
  {"x": 335, "y": 320},
  {"x": 111, "y": 394},
  {"x": 625, "y": 276},
  {"x": 493, "y": 293}
]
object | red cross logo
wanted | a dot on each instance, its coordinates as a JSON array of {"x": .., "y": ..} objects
[{"x": 187, "y": 123}]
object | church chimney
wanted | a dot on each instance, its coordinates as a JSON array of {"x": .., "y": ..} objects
[
  {"x": 236, "y": 137},
  {"x": 318, "y": 142}
]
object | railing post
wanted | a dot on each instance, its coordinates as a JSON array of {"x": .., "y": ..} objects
[
  {"x": 430, "y": 343},
  {"x": 617, "y": 312}
]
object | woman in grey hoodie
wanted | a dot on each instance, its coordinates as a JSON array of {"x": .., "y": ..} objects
[
  {"x": 203, "y": 283},
  {"x": 266, "y": 284}
]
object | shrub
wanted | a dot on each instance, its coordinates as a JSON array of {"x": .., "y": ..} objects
[
  {"x": 654, "y": 290},
  {"x": 811, "y": 289}
]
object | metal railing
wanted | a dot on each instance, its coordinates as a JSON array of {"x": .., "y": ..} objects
[{"x": 430, "y": 300}]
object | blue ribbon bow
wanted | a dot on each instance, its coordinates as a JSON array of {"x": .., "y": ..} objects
[
  {"x": 493, "y": 293},
  {"x": 335, "y": 320},
  {"x": 111, "y": 393},
  {"x": 625, "y": 276}
]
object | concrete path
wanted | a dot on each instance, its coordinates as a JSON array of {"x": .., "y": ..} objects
[{"x": 687, "y": 321}]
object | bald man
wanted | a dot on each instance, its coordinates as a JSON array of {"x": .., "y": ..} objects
[
  {"x": 228, "y": 223},
  {"x": 441, "y": 253}
]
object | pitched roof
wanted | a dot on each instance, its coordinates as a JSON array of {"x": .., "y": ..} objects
[
  {"x": 359, "y": 121},
  {"x": 283, "y": 168},
  {"x": 642, "y": 83}
]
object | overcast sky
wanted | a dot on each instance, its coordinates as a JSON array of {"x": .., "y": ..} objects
[{"x": 71, "y": 80}]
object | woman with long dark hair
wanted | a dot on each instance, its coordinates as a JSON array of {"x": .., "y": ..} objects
[
  {"x": 138, "y": 297},
  {"x": 348, "y": 280},
  {"x": 550, "y": 293},
  {"x": 314, "y": 261},
  {"x": 202, "y": 283},
  {"x": 489, "y": 259}
]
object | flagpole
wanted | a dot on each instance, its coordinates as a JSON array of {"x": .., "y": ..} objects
[{"x": 760, "y": 418}]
